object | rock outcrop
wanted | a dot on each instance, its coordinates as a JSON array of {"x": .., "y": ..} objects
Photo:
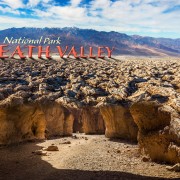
[
  {"x": 34, "y": 121},
  {"x": 20, "y": 123},
  {"x": 119, "y": 122},
  {"x": 159, "y": 131},
  {"x": 59, "y": 121},
  {"x": 92, "y": 121}
]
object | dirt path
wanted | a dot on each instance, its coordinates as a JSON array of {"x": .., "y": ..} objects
[{"x": 83, "y": 157}]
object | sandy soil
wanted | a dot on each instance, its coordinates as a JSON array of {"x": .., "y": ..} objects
[{"x": 79, "y": 157}]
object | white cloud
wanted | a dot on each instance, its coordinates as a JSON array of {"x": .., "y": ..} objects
[
  {"x": 142, "y": 15},
  {"x": 122, "y": 15},
  {"x": 98, "y": 4},
  {"x": 9, "y": 10},
  {"x": 14, "y": 4},
  {"x": 34, "y": 3},
  {"x": 75, "y": 2},
  {"x": 69, "y": 13}
]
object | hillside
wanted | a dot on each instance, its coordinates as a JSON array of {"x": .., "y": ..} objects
[{"x": 124, "y": 44}]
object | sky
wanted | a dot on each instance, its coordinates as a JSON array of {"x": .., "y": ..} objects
[{"x": 156, "y": 18}]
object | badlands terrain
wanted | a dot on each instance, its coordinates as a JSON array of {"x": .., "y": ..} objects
[{"x": 124, "y": 111}]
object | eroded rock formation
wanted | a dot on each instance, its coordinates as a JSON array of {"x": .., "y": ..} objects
[
  {"x": 20, "y": 123},
  {"x": 34, "y": 121},
  {"x": 92, "y": 120},
  {"x": 59, "y": 121},
  {"x": 38, "y": 100},
  {"x": 159, "y": 131},
  {"x": 119, "y": 122}
]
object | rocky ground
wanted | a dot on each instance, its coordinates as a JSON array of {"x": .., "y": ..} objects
[
  {"x": 77, "y": 83},
  {"x": 80, "y": 157},
  {"x": 131, "y": 98},
  {"x": 90, "y": 82}
]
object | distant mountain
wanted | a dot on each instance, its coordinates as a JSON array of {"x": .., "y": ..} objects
[{"x": 123, "y": 44}]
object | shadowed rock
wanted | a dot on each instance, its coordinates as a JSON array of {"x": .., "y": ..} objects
[
  {"x": 159, "y": 131},
  {"x": 119, "y": 122},
  {"x": 92, "y": 120}
]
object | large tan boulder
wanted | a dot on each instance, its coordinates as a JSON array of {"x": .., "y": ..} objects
[
  {"x": 159, "y": 131},
  {"x": 119, "y": 122}
]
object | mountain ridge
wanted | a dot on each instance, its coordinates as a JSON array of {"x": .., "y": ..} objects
[{"x": 124, "y": 44}]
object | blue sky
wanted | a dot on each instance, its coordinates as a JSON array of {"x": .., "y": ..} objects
[{"x": 157, "y": 18}]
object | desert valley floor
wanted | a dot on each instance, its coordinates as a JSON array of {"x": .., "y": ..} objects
[{"x": 80, "y": 157}]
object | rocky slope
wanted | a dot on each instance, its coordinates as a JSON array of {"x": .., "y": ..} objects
[{"x": 136, "y": 100}]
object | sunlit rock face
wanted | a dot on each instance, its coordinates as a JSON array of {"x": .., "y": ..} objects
[
  {"x": 59, "y": 121},
  {"x": 159, "y": 131},
  {"x": 20, "y": 123},
  {"x": 119, "y": 122},
  {"x": 34, "y": 121}
]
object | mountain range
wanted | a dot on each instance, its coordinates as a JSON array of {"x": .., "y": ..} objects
[{"x": 123, "y": 44}]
